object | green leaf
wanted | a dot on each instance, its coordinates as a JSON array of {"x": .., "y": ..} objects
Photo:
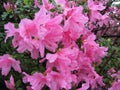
[
  {"x": 116, "y": 48},
  {"x": 52, "y": 10},
  {"x": 27, "y": 2},
  {"x": 18, "y": 83},
  {"x": 19, "y": 89},
  {"x": 4, "y": 15}
]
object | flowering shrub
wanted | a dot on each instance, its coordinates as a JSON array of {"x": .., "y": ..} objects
[{"x": 61, "y": 41}]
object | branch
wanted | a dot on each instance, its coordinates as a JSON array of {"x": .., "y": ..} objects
[{"x": 110, "y": 36}]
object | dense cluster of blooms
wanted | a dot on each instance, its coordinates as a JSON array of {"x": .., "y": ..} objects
[
  {"x": 67, "y": 34},
  {"x": 104, "y": 20},
  {"x": 116, "y": 76}
]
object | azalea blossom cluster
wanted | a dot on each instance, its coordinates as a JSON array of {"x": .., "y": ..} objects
[
  {"x": 104, "y": 19},
  {"x": 73, "y": 52},
  {"x": 116, "y": 76}
]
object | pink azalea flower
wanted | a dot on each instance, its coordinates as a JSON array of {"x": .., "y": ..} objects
[
  {"x": 96, "y": 81},
  {"x": 95, "y": 15},
  {"x": 25, "y": 80},
  {"x": 75, "y": 22},
  {"x": 10, "y": 85},
  {"x": 65, "y": 56},
  {"x": 49, "y": 31},
  {"x": 95, "y": 5},
  {"x": 64, "y": 62},
  {"x": 92, "y": 49},
  {"x": 115, "y": 86},
  {"x": 116, "y": 76},
  {"x": 24, "y": 46},
  {"x": 111, "y": 71},
  {"x": 10, "y": 30},
  {"x": 25, "y": 77},
  {"x": 85, "y": 72},
  {"x": 41, "y": 17},
  {"x": 7, "y": 6},
  {"x": 27, "y": 29},
  {"x": 37, "y": 81},
  {"x": 6, "y": 62},
  {"x": 54, "y": 33},
  {"x": 57, "y": 81},
  {"x": 21, "y": 35}
]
